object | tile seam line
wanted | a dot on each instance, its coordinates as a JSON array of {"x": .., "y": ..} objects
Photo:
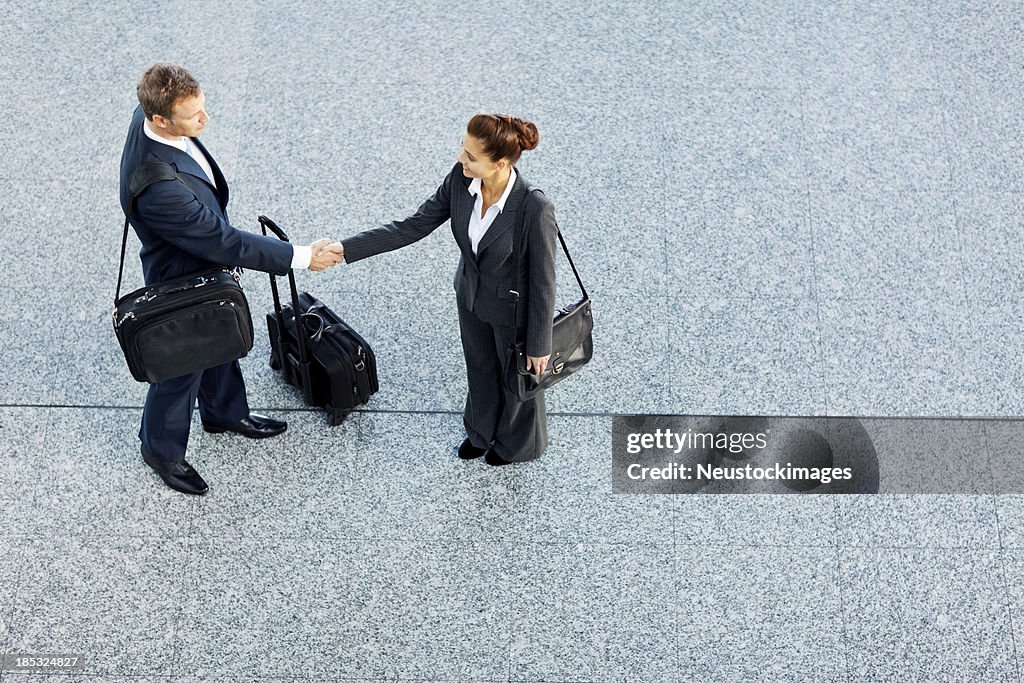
[
  {"x": 947, "y": 418},
  {"x": 573, "y": 543}
]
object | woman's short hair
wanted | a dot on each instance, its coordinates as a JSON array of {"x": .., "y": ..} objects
[
  {"x": 503, "y": 136},
  {"x": 162, "y": 85}
]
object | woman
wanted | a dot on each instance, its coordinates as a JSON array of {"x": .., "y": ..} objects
[{"x": 484, "y": 195}]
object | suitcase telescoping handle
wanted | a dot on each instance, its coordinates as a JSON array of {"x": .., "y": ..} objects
[{"x": 300, "y": 336}]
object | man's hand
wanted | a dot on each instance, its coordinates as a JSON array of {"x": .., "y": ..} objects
[
  {"x": 538, "y": 365},
  {"x": 325, "y": 254}
]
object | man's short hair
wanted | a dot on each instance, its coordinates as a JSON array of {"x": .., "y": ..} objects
[{"x": 162, "y": 85}]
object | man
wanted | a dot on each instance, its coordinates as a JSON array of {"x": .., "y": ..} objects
[{"x": 183, "y": 226}]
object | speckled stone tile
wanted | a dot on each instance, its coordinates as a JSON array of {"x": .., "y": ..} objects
[
  {"x": 62, "y": 157},
  {"x": 23, "y": 433},
  {"x": 379, "y": 475},
  {"x": 738, "y": 45},
  {"x": 978, "y": 45},
  {"x": 744, "y": 356},
  {"x": 578, "y": 44},
  {"x": 420, "y": 365},
  {"x": 407, "y": 483},
  {"x": 998, "y": 366},
  {"x": 616, "y": 232},
  {"x": 885, "y": 245},
  {"x": 755, "y": 520},
  {"x": 735, "y": 243},
  {"x": 574, "y": 475},
  {"x": 931, "y": 456},
  {"x": 629, "y": 371},
  {"x": 1005, "y": 442},
  {"x": 89, "y": 351},
  {"x": 773, "y": 608},
  {"x": 386, "y": 127},
  {"x": 85, "y": 678},
  {"x": 988, "y": 223},
  {"x": 349, "y": 609},
  {"x": 114, "y": 600},
  {"x": 114, "y": 43},
  {"x": 78, "y": 238},
  {"x": 1013, "y": 575},
  {"x": 985, "y": 125},
  {"x": 917, "y": 521},
  {"x": 601, "y": 611},
  {"x": 862, "y": 135},
  {"x": 32, "y": 341},
  {"x": 925, "y": 614},
  {"x": 911, "y": 357},
  {"x": 11, "y": 569},
  {"x": 93, "y": 482},
  {"x": 758, "y": 673},
  {"x": 215, "y": 677},
  {"x": 275, "y": 487},
  {"x": 876, "y": 43},
  {"x": 750, "y": 138}
]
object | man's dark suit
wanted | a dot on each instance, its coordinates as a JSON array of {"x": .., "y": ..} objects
[
  {"x": 183, "y": 227},
  {"x": 482, "y": 284}
]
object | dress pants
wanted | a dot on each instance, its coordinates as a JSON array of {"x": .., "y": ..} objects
[
  {"x": 518, "y": 431},
  {"x": 167, "y": 416}
]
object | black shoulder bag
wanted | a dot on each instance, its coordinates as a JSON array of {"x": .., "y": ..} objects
[
  {"x": 572, "y": 344},
  {"x": 183, "y": 325}
]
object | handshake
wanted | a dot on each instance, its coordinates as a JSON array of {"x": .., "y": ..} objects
[{"x": 324, "y": 254}]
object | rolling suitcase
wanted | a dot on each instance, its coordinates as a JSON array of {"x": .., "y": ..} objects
[{"x": 328, "y": 361}]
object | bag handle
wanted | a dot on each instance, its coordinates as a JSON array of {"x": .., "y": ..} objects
[
  {"x": 300, "y": 330},
  {"x": 144, "y": 176},
  {"x": 519, "y": 234}
]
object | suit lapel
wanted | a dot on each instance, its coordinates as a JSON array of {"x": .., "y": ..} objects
[
  {"x": 183, "y": 163},
  {"x": 222, "y": 184},
  {"x": 506, "y": 219},
  {"x": 462, "y": 209}
]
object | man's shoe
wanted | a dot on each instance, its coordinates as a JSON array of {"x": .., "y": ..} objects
[
  {"x": 494, "y": 460},
  {"x": 467, "y": 451},
  {"x": 178, "y": 475},
  {"x": 255, "y": 427}
]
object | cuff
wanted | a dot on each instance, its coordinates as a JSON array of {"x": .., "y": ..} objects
[{"x": 301, "y": 256}]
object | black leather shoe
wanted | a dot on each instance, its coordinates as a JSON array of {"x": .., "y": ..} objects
[
  {"x": 255, "y": 427},
  {"x": 467, "y": 451},
  {"x": 495, "y": 460},
  {"x": 178, "y": 475}
]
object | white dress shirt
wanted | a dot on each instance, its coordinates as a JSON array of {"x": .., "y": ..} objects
[
  {"x": 301, "y": 256},
  {"x": 478, "y": 224}
]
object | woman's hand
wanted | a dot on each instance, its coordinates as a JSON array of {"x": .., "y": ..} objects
[
  {"x": 324, "y": 254},
  {"x": 537, "y": 365}
]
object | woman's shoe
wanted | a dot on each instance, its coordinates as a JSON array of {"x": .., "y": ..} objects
[
  {"x": 467, "y": 451},
  {"x": 493, "y": 459}
]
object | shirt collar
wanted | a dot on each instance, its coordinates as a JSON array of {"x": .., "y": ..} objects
[
  {"x": 177, "y": 144},
  {"x": 474, "y": 189}
]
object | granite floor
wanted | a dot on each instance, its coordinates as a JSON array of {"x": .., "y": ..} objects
[{"x": 779, "y": 208}]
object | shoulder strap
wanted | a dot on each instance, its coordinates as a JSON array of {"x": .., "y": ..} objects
[
  {"x": 520, "y": 234},
  {"x": 144, "y": 176}
]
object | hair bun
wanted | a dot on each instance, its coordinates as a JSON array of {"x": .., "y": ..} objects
[{"x": 529, "y": 136}]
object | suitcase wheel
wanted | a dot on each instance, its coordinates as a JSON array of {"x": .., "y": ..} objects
[{"x": 335, "y": 418}]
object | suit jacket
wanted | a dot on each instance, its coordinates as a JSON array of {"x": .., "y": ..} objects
[
  {"x": 184, "y": 227},
  {"x": 483, "y": 280}
]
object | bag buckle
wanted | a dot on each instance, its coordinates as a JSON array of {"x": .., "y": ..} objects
[{"x": 557, "y": 369}]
